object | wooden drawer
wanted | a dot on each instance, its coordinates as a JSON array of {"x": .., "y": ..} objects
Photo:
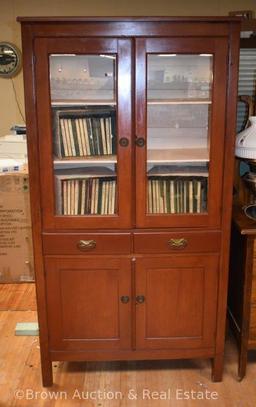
[
  {"x": 86, "y": 243},
  {"x": 167, "y": 242}
]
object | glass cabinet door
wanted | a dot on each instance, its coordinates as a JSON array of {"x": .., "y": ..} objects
[
  {"x": 87, "y": 160},
  {"x": 180, "y": 139}
]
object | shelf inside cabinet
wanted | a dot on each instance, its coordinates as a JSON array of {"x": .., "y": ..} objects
[
  {"x": 99, "y": 159},
  {"x": 178, "y": 155},
  {"x": 70, "y": 103},
  {"x": 179, "y": 101}
]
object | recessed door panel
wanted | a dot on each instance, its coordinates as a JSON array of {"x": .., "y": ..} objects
[
  {"x": 176, "y": 302},
  {"x": 88, "y": 303}
]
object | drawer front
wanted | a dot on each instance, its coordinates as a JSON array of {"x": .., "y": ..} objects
[
  {"x": 177, "y": 242},
  {"x": 86, "y": 243}
]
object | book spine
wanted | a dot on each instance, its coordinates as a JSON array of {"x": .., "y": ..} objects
[
  {"x": 90, "y": 136},
  {"x": 113, "y": 134},
  {"x": 103, "y": 136},
  {"x": 79, "y": 138},
  {"x": 64, "y": 138},
  {"x": 75, "y": 138},
  {"x": 71, "y": 136}
]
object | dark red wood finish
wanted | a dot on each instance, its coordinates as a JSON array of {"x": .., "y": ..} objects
[
  {"x": 160, "y": 242},
  {"x": 105, "y": 243},
  {"x": 242, "y": 285},
  {"x": 67, "y": 331},
  {"x": 84, "y": 304},
  {"x": 180, "y": 302}
]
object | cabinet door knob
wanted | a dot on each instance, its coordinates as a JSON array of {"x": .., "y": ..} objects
[
  {"x": 140, "y": 299},
  {"x": 125, "y": 299},
  {"x": 180, "y": 243},
  {"x": 140, "y": 142},
  {"x": 124, "y": 142},
  {"x": 84, "y": 245}
]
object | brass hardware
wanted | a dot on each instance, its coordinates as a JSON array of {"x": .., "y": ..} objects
[
  {"x": 178, "y": 243},
  {"x": 140, "y": 299},
  {"x": 86, "y": 245},
  {"x": 125, "y": 299},
  {"x": 140, "y": 142},
  {"x": 123, "y": 142}
]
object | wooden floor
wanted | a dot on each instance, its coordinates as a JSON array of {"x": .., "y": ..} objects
[{"x": 20, "y": 372}]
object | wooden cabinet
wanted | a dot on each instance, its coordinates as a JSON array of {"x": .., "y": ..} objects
[
  {"x": 131, "y": 126},
  {"x": 242, "y": 285}
]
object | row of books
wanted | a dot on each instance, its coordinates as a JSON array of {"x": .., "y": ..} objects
[
  {"x": 93, "y": 196},
  {"x": 85, "y": 191},
  {"x": 85, "y": 136},
  {"x": 177, "y": 195}
]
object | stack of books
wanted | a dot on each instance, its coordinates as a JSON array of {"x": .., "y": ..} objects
[
  {"x": 86, "y": 191},
  {"x": 179, "y": 195},
  {"x": 175, "y": 189},
  {"x": 79, "y": 133}
]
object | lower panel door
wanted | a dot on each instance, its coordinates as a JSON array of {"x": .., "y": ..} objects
[
  {"x": 176, "y": 301},
  {"x": 88, "y": 303}
]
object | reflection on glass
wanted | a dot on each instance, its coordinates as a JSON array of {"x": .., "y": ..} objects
[
  {"x": 179, "y": 92},
  {"x": 82, "y": 77},
  {"x": 84, "y": 133}
]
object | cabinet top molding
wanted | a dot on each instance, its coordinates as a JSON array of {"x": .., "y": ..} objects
[{"x": 211, "y": 19}]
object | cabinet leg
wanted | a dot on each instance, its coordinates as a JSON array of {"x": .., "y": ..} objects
[
  {"x": 217, "y": 368},
  {"x": 46, "y": 368},
  {"x": 242, "y": 362}
]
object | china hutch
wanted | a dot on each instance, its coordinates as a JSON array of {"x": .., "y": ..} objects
[{"x": 130, "y": 125}]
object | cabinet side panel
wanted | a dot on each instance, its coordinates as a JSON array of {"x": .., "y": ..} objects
[
  {"x": 34, "y": 177},
  {"x": 227, "y": 182}
]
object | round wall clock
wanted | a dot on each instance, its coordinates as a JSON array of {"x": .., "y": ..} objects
[{"x": 10, "y": 60}]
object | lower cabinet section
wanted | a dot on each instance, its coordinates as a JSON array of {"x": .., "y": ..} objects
[
  {"x": 84, "y": 303},
  {"x": 170, "y": 301}
]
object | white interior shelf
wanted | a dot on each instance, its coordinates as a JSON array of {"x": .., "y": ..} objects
[
  {"x": 107, "y": 159},
  {"x": 81, "y": 102},
  {"x": 179, "y": 102},
  {"x": 178, "y": 155}
]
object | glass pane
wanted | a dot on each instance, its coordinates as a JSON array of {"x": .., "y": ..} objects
[
  {"x": 83, "y": 97},
  {"x": 179, "y": 93}
]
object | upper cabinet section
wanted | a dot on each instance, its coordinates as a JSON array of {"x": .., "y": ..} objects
[
  {"x": 83, "y": 100},
  {"x": 130, "y": 128},
  {"x": 76, "y": 79},
  {"x": 86, "y": 139},
  {"x": 179, "y": 99},
  {"x": 180, "y": 119}
]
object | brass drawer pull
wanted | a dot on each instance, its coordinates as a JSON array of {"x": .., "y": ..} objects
[
  {"x": 86, "y": 245},
  {"x": 178, "y": 243}
]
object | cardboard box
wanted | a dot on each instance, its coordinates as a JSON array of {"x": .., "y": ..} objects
[{"x": 16, "y": 255}]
